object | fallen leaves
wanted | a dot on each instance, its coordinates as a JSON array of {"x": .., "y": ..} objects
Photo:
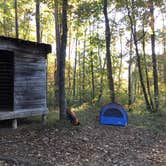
[{"x": 91, "y": 145}]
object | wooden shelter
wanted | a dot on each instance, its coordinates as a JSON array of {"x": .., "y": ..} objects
[{"x": 23, "y": 79}]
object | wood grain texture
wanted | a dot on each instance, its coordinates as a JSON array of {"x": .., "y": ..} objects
[
  {"x": 25, "y": 81},
  {"x": 8, "y": 43},
  {"x": 30, "y": 82},
  {"x": 21, "y": 113}
]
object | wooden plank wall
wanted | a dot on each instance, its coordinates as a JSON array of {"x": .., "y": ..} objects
[
  {"x": 6, "y": 80},
  {"x": 30, "y": 81}
]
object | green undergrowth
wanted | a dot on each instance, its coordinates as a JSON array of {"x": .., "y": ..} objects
[
  {"x": 154, "y": 122},
  {"x": 138, "y": 118},
  {"x": 85, "y": 114}
]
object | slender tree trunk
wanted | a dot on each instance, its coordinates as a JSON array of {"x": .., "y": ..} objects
[
  {"x": 83, "y": 65},
  {"x": 102, "y": 67},
  {"x": 62, "y": 94},
  {"x": 58, "y": 38},
  {"x": 134, "y": 82},
  {"x": 101, "y": 78},
  {"x": 108, "y": 54},
  {"x": 92, "y": 76},
  {"x": 164, "y": 54},
  {"x": 69, "y": 61},
  {"x": 75, "y": 69},
  {"x": 120, "y": 65},
  {"x": 38, "y": 21},
  {"x": 154, "y": 61},
  {"x": 79, "y": 86},
  {"x": 92, "y": 66},
  {"x": 129, "y": 75},
  {"x": 140, "y": 73},
  {"x": 146, "y": 71},
  {"x": 16, "y": 18},
  {"x": 133, "y": 31},
  {"x": 57, "y": 28}
]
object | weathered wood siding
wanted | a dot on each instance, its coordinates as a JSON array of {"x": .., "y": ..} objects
[
  {"x": 25, "y": 93},
  {"x": 30, "y": 81}
]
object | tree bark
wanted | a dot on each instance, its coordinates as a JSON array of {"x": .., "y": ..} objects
[
  {"x": 58, "y": 38},
  {"x": 92, "y": 66},
  {"x": 133, "y": 31},
  {"x": 102, "y": 67},
  {"x": 62, "y": 93},
  {"x": 69, "y": 65},
  {"x": 108, "y": 54},
  {"x": 164, "y": 55},
  {"x": 83, "y": 65},
  {"x": 154, "y": 60},
  {"x": 38, "y": 21},
  {"x": 129, "y": 75},
  {"x": 79, "y": 86},
  {"x": 16, "y": 19},
  {"x": 146, "y": 71},
  {"x": 75, "y": 69},
  {"x": 101, "y": 78},
  {"x": 92, "y": 76},
  {"x": 120, "y": 65}
]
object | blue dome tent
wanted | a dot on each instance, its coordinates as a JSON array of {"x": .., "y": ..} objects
[{"x": 113, "y": 114}]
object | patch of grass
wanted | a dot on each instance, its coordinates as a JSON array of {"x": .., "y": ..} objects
[
  {"x": 36, "y": 121},
  {"x": 152, "y": 121},
  {"x": 85, "y": 114}
]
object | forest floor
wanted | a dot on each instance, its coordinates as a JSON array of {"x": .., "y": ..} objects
[{"x": 91, "y": 144}]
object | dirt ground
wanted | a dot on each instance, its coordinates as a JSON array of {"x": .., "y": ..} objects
[{"x": 89, "y": 145}]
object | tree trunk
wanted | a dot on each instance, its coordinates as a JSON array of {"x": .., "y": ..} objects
[
  {"x": 38, "y": 21},
  {"x": 79, "y": 86},
  {"x": 133, "y": 31},
  {"x": 58, "y": 38},
  {"x": 102, "y": 78},
  {"x": 146, "y": 71},
  {"x": 164, "y": 54},
  {"x": 108, "y": 54},
  {"x": 120, "y": 65},
  {"x": 69, "y": 65},
  {"x": 92, "y": 66},
  {"x": 92, "y": 76},
  {"x": 75, "y": 69},
  {"x": 129, "y": 75},
  {"x": 102, "y": 67},
  {"x": 62, "y": 94},
  {"x": 83, "y": 65},
  {"x": 16, "y": 19},
  {"x": 154, "y": 60}
]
